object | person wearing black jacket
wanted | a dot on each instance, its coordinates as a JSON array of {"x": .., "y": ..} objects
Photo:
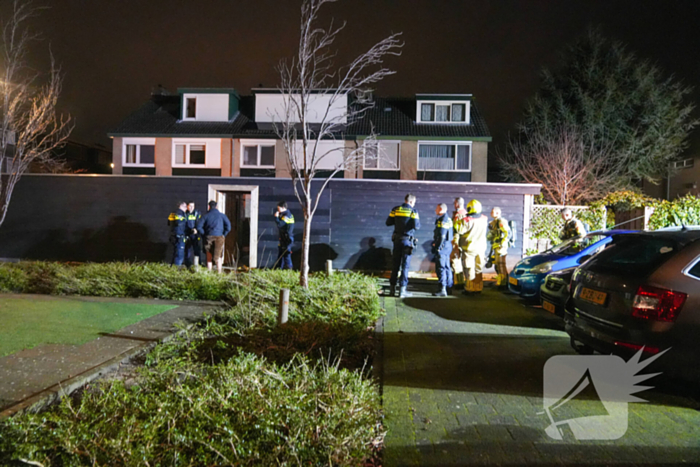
[
  {"x": 406, "y": 221},
  {"x": 194, "y": 237},
  {"x": 285, "y": 226},
  {"x": 214, "y": 226},
  {"x": 178, "y": 233},
  {"x": 442, "y": 248}
]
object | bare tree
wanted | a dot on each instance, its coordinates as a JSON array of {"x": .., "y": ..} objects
[
  {"x": 570, "y": 169},
  {"x": 31, "y": 127},
  {"x": 304, "y": 128}
]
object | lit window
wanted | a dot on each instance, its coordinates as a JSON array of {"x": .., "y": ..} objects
[
  {"x": 191, "y": 109},
  {"x": 382, "y": 155},
  {"x": 190, "y": 154},
  {"x": 444, "y": 157},
  {"x": 258, "y": 155},
  {"x": 139, "y": 154}
]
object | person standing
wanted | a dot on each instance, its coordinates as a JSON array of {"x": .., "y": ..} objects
[
  {"x": 498, "y": 235},
  {"x": 472, "y": 240},
  {"x": 456, "y": 257},
  {"x": 194, "y": 238},
  {"x": 214, "y": 227},
  {"x": 442, "y": 248},
  {"x": 285, "y": 227},
  {"x": 406, "y": 221},
  {"x": 178, "y": 233}
]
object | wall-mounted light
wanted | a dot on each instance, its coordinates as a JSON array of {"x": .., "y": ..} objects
[{"x": 111, "y": 165}]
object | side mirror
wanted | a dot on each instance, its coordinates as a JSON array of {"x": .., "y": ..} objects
[{"x": 584, "y": 258}]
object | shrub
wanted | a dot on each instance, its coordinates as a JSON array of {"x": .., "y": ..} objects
[{"x": 681, "y": 211}]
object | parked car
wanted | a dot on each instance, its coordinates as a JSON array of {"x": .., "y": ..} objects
[
  {"x": 641, "y": 293},
  {"x": 527, "y": 276},
  {"x": 554, "y": 291}
]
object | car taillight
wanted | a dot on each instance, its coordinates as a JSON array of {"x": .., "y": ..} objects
[{"x": 657, "y": 304}]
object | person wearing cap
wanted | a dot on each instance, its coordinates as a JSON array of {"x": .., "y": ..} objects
[
  {"x": 471, "y": 231},
  {"x": 214, "y": 226}
]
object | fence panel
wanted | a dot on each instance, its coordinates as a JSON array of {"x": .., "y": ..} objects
[{"x": 546, "y": 224}]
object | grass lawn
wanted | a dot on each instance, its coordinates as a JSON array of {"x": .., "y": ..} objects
[{"x": 27, "y": 323}]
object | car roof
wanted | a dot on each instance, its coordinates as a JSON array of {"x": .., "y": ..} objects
[
  {"x": 611, "y": 232},
  {"x": 681, "y": 235}
]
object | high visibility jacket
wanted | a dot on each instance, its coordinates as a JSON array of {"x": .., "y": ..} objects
[
  {"x": 405, "y": 220},
  {"x": 572, "y": 229},
  {"x": 457, "y": 216},
  {"x": 214, "y": 224},
  {"x": 498, "y": 235},
  {"x": 472, "y": 233},
  {"x": 177, "y": 222},
  {"x": 192, "y": 220},
  {"x": 285, "y": 227},
  {"x": 442, "y": 236}
]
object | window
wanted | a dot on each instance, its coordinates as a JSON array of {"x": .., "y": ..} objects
[
  {"x": 443, "y": 112},
  {"x": 139, "y": 154},
  {"x": 444, "y": 157},
  {"x": 637, "y": 256},
  {"x": 684, "y": 164},
  {"x": 191, "y": 107},
  {"x": 258, "y": 155},
  {"x": 190, "y": 154},
  {"x": 382, "y": 155}
]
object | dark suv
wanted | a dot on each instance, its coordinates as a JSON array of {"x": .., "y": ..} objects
[{"x": 641, "y": 292}]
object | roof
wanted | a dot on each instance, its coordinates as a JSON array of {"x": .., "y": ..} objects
[{"x": 389, "y": 117}]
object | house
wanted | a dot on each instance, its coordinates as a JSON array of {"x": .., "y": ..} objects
[
  {"x": 217, "y": 132},
  {"x": 683, "y": 179}
]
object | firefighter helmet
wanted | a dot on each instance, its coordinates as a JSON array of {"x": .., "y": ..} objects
[{"x": 474, "y": 207}]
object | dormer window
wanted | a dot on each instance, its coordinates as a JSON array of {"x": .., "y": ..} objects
[
  {"x": 442, "y": 108},
  {"x": 191, "y": 108}
]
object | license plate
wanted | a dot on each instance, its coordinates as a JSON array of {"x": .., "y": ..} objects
[
  {"x": 594, "y": 296},
  {"x": 549, "y": 306},
  {"x": 513, "y": 280}
]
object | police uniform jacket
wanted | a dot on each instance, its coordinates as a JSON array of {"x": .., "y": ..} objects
[
  {"x": 178, "y": 223},
  {"x": 405, "y": 220},
  {"x": 442, "y": 237},
  {"x": 192, "y": 221},
  {"x": 285, "y": 227},
  {"x": 498, "y": 236},
  {"x": 214, "y": 224}
]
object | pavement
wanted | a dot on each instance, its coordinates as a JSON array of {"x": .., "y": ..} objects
[
  {"x": 462, "y": 381},
  {"x": 35, "y": 377}
]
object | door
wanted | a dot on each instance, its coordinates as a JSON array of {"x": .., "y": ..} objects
[{"x": 237, "y": 207}]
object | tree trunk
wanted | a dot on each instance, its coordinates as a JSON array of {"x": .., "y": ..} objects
[{"x": 305, "y": 245}]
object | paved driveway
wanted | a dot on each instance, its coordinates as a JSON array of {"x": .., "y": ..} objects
[{"x": 463, "y": 382}]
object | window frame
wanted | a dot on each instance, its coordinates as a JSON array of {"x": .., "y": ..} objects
[
  {"x": 138, "y": 142},
  {"x": 259, "y": 144},
  {"x": 690, "y": 267},
  {"x": 686, "y": 164},
  {"x": 446, "y": 143},
  {"x": 448, "y": 104},
  {"x": 188, "y": 145},
  {"x": 185, "y": 99},
  {"x": 398, "y": 167}
]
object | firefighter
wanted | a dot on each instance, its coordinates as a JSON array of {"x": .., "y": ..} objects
[
  {"x": 573, "y": 228},
  {"x": 178, "y": 233},
  {"x": 471, "y": 232},
  {"x": 406, "y": 221},
  {"x": 285, "y": 226},
  {"x": 194, "y": 237},
  {"x": 442, "y": 248},
  {"x": 457, "y": 253},
  {"x": 498, "y": 235}
]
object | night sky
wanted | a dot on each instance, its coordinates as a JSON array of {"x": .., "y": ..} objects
[{"x": 114, "y": 52}]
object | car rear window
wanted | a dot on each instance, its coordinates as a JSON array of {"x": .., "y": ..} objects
[{"x": 636, "y": 256}]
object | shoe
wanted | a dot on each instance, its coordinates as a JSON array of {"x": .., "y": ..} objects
[
  {"x": 392, "y": 291},
  {"x": 403, "y": 293},
  {"x": 441, "y": 293},
  {"x": 449, "y": 290}
]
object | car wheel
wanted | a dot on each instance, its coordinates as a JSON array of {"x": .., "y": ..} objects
[{"x": 580, "y": 348}]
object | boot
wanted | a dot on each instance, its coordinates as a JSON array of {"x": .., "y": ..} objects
[
  {"x": 392, "y": 291},
  {"x": 441, "y": 293},
  {"x": 403, "y": 293}
]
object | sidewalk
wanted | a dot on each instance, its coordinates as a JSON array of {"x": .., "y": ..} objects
[
  {"x": 462, "y": 385},
  {"x": 37, "y": 376}
]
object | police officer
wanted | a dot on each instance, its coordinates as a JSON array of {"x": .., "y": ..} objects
[
  {"x": 472, "y": 239},
  {"x": 194, "y": 237},
  {"x": 442, "y": 248},
  {"x": 573, "y": 228},
  {"x": 406, "y": 221},
  {"x": 214, "y": 226},
  {"x": 498, "y": 235},
  {"x": 178, "y": 233},
  {"x": 285, "y": 226}
]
